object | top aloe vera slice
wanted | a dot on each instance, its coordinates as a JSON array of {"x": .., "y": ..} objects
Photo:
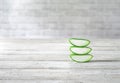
[{"x": 79, "y": 42}]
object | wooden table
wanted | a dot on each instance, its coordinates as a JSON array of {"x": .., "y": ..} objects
[{"x": 47, "y": 61}]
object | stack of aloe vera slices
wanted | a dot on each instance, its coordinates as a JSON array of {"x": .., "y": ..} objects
[{"x": 80, "y": 51}]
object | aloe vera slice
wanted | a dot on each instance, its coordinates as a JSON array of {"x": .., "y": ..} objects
[
  {"x": 79, "y": 58},
  {"x": 79, "y": 42},
  {"x": 80, "y": 50}
]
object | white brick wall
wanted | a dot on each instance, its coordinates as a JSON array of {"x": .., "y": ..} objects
[{"x": 59, "y": 18}]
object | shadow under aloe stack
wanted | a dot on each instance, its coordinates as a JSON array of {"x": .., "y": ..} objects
[{"x": 80, "y": 50}]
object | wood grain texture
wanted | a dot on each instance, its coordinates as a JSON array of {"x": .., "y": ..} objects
[
  {"x": 47, "y": 61},
  {"x": 59, "y": 18}
]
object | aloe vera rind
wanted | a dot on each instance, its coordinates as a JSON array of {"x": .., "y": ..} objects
[
  {"x": 81, "y": 61},
  {"x": 80, "y": 53},
  {"x": 83, "y": 40}
]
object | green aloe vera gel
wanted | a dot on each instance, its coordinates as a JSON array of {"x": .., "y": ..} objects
[{"x": 80, "y": 51}]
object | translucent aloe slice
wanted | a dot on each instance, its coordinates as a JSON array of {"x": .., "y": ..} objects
[
  {"x": 79, "y": 58},
  {"x": 79, "y": 42},
  {"x": 80, "y": 50}
]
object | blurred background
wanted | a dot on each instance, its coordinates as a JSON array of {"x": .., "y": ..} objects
[{"x": 59, "y": 19}]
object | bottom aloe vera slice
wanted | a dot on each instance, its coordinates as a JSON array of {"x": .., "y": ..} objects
[{"x": 81, "y": 58}]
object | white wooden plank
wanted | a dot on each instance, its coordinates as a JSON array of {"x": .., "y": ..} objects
[
  {"x": 114, "y": 64},
  {"x": 96, "y": 48},
  {"x": 53, "y": 57},
  {"x": 55, "y": 52},
  {"x": 53, "y": 74},
  {"x": 80, "y": 80},
  {"x": 28, "y": 43},
  {"x": 47, "y": 81},
  {"x": 55, "y": 40},
  {"x": 49, "y": 45}
]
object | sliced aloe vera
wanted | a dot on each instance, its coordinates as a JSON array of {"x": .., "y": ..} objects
[
  {"x": 79, "y": 42},
  {"x": 79, "y": 58},
  {"x": 80, "y": 50}
]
